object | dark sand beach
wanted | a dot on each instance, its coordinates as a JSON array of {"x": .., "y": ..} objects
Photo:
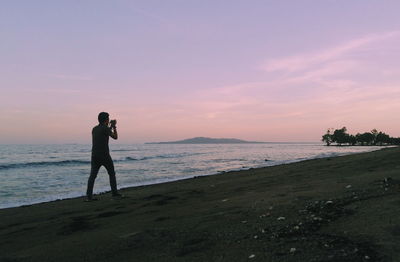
[{"x": 332, "y": 209}]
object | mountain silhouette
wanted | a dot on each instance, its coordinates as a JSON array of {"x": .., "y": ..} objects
[{"x": 207, "y": 140}]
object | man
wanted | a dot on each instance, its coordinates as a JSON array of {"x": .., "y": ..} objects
[{"x": 101, "y": 154}]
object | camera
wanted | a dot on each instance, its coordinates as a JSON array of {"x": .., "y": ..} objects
[{"x": 113, "y": 123}]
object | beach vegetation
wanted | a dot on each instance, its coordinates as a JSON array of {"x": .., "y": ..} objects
[
  {"x": 340, "y": 137},
  {"x": 327, "y": 138}
]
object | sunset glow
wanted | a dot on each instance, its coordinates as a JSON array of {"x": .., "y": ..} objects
[{"x": 169, "y": 70}]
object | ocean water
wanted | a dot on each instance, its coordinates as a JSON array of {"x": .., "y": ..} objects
[{"x": 38, "y": 173}]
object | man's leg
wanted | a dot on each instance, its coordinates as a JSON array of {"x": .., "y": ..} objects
[
  {"x": 94, "y": 170},
  {"x": 109, "y": 165}
]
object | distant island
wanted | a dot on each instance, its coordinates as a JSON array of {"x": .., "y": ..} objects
[{"x": 207, "y": 140}]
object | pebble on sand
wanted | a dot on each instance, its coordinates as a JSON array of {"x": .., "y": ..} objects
[{"x": 265, "y": 215}]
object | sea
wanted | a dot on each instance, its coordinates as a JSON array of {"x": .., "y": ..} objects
[{"x": 39, "y": 173}]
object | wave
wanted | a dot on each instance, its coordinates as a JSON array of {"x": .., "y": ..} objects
[
  {"x": 226, "y": 160},
  {"x": 327, "y": 154},
  {"x": 158, "y": 156},
  {"x": 128, "y": 158},
  {"x": 44, "y": 163},
  {"x": 142, "y": 158},
  {"x": 84, "y": 162},
  {"x": 68, "y": 162}
]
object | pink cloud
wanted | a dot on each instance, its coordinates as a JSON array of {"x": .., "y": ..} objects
[
  {"x": 343, "y": 85},
  {"x": 306, "y": 60}
]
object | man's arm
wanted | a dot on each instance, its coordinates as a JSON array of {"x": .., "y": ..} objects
[{"x": 114, "y": 133}]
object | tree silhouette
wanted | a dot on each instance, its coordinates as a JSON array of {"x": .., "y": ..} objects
[
  {"x": 382, "y": 138},
  {"x": 340, "y": 136},
  {"x": 375, "y": 133},
  {"x": 352, "y": 140},
  {"x": 395, "y": 140},
  {"x": 367, "y": 138},
  {"x": 327, "y": 138},
  {"x": 375, "y": 137}
]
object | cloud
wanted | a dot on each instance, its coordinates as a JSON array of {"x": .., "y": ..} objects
[
  {"x": 307, "y": 60},
  {"x": 354, "y": 82}
]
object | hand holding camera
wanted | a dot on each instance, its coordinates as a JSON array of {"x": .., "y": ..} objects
[{"x": 113, "y": 123}]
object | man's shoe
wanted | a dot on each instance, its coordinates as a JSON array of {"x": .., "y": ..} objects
[{"x": 90, "y": 199}]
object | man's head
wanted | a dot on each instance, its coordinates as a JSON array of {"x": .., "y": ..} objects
[{"x": 103, "y": 118}]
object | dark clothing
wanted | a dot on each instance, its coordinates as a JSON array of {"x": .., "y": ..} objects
[
  {"x": 100, "y": 137},
  {"x": 101, "y": 157},
  {"x": 97, "y": 162}
]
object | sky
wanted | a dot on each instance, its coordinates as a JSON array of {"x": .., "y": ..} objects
[{"x": 174, "y": 69}]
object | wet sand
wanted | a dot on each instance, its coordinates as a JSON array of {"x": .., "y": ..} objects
[{"x": 332, "y": 209}]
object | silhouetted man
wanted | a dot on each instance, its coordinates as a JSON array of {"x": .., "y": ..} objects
[{"x": 101, "y": 153}]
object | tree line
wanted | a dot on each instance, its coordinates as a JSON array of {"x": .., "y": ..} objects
[{"x": 373, "y": 138}]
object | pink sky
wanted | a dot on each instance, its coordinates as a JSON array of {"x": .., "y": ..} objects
[{"x": 267, "y": 72}]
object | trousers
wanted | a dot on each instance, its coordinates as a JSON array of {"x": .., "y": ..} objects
[{"x": 96, "y": 163}]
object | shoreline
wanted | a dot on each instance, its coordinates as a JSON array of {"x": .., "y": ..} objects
[
  {"x": 341, "y": 208},
  {"x": 170, "y": 180}
]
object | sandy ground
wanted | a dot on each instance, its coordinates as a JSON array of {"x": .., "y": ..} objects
[{"x": 333, "y": 209}]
